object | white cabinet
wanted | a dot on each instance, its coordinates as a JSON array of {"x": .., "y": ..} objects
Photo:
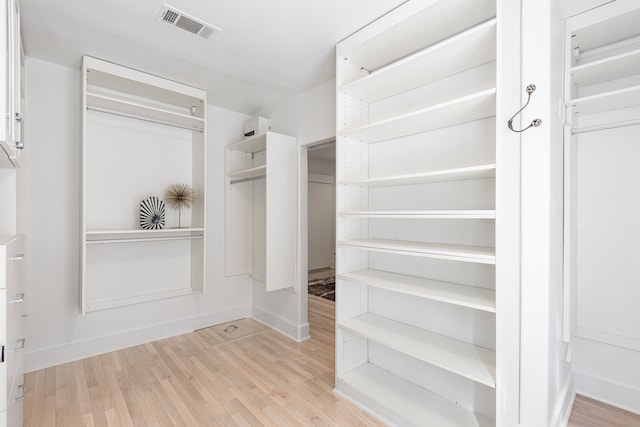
[
  {"x": 12, "y": 91},
  {"x": 13, "y": 294},
  {"x": 141, "y": 133},
  {"x": 261, "y": 209},
  {"x": 417, "y": 172}
]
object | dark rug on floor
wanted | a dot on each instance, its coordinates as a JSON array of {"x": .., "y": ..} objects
[{"x": 325, "y": 288}]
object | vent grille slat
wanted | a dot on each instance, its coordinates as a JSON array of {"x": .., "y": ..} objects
[
  {"x": 189, "y": 25},
  {"x": 170, "y": 16},
  {"x": 176, "y": 18},
  {"x": 206, "y": 32}
]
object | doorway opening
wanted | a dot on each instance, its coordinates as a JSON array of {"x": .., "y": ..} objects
[{"x": 321, "y": 220}]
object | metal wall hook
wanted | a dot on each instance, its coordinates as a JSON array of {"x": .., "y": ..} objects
[{"x": 535, "y": 122}]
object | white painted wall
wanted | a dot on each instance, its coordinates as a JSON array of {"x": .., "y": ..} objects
[
  {"x": 310, "y": 115},
  {"x": 322, "y": 218},
  {"x": 545, "y": 377},
  {"x": 56, "y": 332}
]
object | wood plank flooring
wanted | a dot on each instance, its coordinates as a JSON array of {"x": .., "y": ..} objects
[
  {"x": 237, "y": 374},
  {"x": 587, "y": 412}
]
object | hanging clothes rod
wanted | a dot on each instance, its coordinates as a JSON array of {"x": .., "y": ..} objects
[
  {"x": 253, "y": 178},
  {"x": 146, "y": 119},
  {"x": 576, "y": 131},
  {"x": 141, "y": 239}
]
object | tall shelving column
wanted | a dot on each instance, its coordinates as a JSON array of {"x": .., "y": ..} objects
[
  {"x": 416, "y": 200},
  {"x": 140, "y": 134}
]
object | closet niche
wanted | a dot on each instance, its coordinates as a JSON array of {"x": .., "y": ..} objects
[
  {"x": 261, "y": 191},
  {"x": 602, "y": 98},
  {"x": 141, "y": 133}
]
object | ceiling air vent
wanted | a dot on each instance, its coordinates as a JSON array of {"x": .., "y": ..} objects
[{"x": 176, "y": 18}]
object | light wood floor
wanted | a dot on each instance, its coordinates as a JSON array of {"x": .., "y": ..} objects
[
  {"x": 236, "y": 374},
  {"x": 591, "y": 413}
]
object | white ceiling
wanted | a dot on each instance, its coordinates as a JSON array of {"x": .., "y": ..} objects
[{"x": 267, "y": 50}]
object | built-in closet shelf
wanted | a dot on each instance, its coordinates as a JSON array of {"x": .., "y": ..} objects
[
  {"x": 614, "y": 100},
  {"x": 122, "y": 236},
  {"x": 258, "y": 171},
  {"x": 416, "y": 405},
  {"x": 451, "y": 293},
  {"x": 469, "y": 49},
  {"x": 458, "y": 174},
  {"x": 614, "y": 67},
  {"x": 444, "y": 214},
  {"x": 619, "y": 27},
  {"x": 468, "y": 108},
  {"x": 137, "y": 84},
  {"x": 475, "y": 254},
  {"x": 461, "y": 358},
  {"x": 380, "y": 43},
  {"x": 115, "y": 105},
  {"x": 252, "y": 144}
]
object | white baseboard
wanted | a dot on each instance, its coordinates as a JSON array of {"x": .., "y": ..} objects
[
  {"x": 69, "y": 352},
  {"x": 562, "y": 411},
  {"x": 296, "y": 332},
  {"x": 613, "y": 393}
]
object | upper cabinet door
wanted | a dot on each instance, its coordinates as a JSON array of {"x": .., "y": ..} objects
[{"x": 11, "y": 128}]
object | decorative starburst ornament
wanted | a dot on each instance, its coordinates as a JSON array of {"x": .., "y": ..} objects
[{"x": 179, "y": 196}]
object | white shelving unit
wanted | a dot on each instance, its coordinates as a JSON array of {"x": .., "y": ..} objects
[
  {"x": 467, "y": 360},
  {"x": 602, "y": 63},
  {"x": 458, "y": 174},
  {"x": 602, "y": 93},
  {"x": 404, "y": 401},
  {"x": 456, "y": 111},
  {"x": 610, "y": 68},
  {"x": 417, "y": 292},
  {"x": 109, "y": 103},
  {"x": 451, "y": 293},
  {"x": 473, "y": 46},
  {"x": 261, "y": 209},
  {"x": 477, "y": 254},
  {"x": 141, "y": 133},
  {"x": 606, "y": 101},
  {"x": 450, "y": 214}
]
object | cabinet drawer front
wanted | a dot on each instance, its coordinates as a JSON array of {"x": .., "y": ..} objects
[
  {"x": 15, "y": 404},
  {"x": 14, "y": 364},
  {"x": 4, "y": 349},
  {"x": 16, "y": 264}
]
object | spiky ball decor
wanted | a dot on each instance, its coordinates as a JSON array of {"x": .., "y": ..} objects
[
  {"x": 179, "y": 196},
  {"x": 152, "y": 213}
]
